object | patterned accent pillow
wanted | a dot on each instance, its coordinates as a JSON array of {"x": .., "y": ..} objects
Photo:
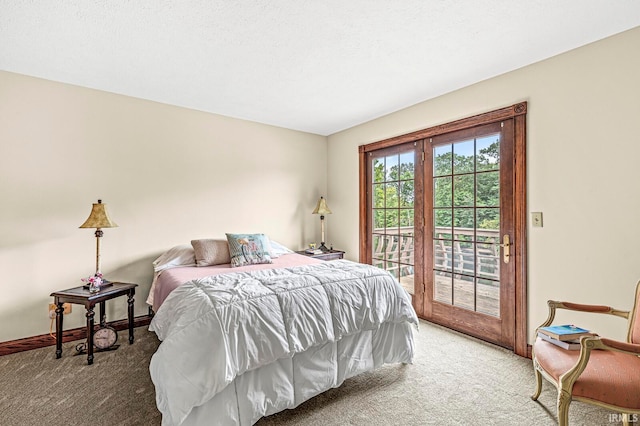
[
  {"x": 211, "y": 252},
  {"x": 248, "y": 249}
]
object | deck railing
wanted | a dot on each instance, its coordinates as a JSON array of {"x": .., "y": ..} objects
[{"x": 395, "y": 252}]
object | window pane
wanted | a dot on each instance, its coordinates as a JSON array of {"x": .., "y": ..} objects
[
  {"x": 378, "y": 247},
  {"x": 406, "y": 250},
  {"x": 488, "y": 225},
  {"x": 488, "y": 258},
  {"x": 488, "y": 194},
  {"x": 464, "y": 292},
  {"x": 378, "y": 194},
  {"x": 442, "y": 251},
  {"x": 463, "y": 191},
  {"x": 406, "y": 193},
  {"x": 378, "y": 220},
  {"x": 463, "y": 155},
  {"x": 442, "y": 223},
  {"x": 392, "y": 167},
  {"x": 406, "y": 220},
  {"x": 392, "y": 221},
  {"x": 442, "y": 192},
  {"x": 406, "y": 277},
  {"x": 407, "y": 166},
  {"x": 392, "y": 194},
  {"x": 488, "y": 152},
  {"x": 463, "y": 218},
  {"x": 394, "y": 269},
  {"x": 488, "y": 297},
  {"x": 378, "y": 169},
  {"x": 442, "y": 160},
  {"x": 443, "y": 287},
  {"x": 463, "y": 258},
  {"x": 393, "y": 248}
]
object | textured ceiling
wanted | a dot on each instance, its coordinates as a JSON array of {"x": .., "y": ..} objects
[{"x": 311, "y": 65}]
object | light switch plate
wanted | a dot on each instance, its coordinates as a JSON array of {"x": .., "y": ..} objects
[{"x": 536, "y": 219}]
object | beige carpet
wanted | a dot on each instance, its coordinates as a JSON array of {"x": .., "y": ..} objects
[{"x": 455, "y": 380}]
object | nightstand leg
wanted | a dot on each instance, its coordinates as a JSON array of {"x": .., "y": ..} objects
[
  {"x": 90, "y": 315},
  {"x": 59, "y": 317},
  {"x": 130, "y": 301},
  {"x": 103, "y": 315}
]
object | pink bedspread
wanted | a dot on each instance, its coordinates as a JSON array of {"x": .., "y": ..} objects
[{"x": 170, "y": 279}]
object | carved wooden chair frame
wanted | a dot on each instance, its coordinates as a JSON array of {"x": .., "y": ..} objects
[{"x": 587, "y": 344}]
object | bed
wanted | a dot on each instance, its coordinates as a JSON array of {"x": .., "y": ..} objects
[{"x": 240, "y": 343}]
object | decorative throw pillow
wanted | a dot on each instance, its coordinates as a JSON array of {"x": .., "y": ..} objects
[
  {"x": 210, "y": 252},
  {"x": 248, "y": 249}
]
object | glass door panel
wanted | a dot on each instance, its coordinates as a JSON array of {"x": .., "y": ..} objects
[
  {"x": 466, "y": 228},
  {"x": 393, "y": 202}
]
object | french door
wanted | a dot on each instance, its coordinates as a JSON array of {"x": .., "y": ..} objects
[
  {"x": 469, "y": 276},
  {"x": 443, "y": 210}
]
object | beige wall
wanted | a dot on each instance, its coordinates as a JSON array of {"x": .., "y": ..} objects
[
  {"x": 583, "y": 159},
  {"x": 167, "y": 174},
  {"x": 170, "y": 174}
]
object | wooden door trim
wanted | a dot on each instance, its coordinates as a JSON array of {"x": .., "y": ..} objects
[
  {"x": 520, "y": 232},
  {"x": 363, "y": 207},
  {"x": 518, "y": 113},
  {"x": 505, "y": 113}
]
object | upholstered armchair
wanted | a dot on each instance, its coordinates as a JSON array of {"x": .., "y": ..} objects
[{"x": 603, "y": 372}]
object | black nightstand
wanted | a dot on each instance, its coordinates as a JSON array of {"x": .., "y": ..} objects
[
  {"x": 82, "y": 296},
  {"x": 329, "y": 255}
]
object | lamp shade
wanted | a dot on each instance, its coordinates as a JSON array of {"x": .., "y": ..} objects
[
  {"x": 99, "y": 218},
  {"x": 322, "y": 208}
]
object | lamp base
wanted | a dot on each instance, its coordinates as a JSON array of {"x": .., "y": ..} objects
[{"x": 323, "y": 248}]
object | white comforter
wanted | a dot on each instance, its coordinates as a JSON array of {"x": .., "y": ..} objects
[{"x": 216, "y": 328}]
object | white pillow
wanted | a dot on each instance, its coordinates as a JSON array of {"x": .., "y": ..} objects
[
  {"x": 278, "y": 249},
  {"x": 181, "y": 255}
]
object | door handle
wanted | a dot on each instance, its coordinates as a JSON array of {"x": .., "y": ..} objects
[{"x": 506, "y": 248}]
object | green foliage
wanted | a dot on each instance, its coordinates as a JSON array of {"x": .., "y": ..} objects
[
  {"x": 456, "y": 189},
  {"x": 393, "y": 193}
]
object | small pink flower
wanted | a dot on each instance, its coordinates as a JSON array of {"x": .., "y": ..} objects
[{"x": 94, "y": 279}]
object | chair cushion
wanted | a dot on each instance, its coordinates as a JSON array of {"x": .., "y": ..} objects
[{"x": 610, "y": 377}]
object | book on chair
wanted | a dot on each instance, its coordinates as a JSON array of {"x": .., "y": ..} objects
[
  {"x": 565, "y": 332},
  {"x": 570, "y": 345}
]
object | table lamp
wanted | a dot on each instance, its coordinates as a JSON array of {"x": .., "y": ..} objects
[
  {"x": 322, "y": 209},
  {"x": 99, "y": 218}
]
